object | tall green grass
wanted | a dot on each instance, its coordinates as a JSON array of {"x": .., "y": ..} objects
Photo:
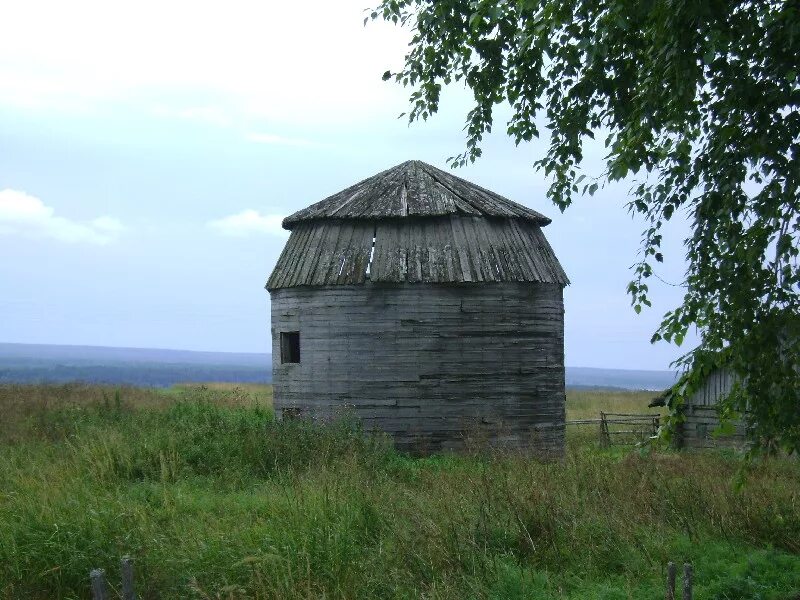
[
  {"x": 587, "y": 404},
  {"x": 216, "y": 500}
]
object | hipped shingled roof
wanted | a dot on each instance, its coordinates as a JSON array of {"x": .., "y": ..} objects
[
  {"x": 414, "y": 189},
  {"x": 414, "y": 223}
]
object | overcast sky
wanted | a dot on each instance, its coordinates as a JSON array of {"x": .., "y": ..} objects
[{"x": 149, "y": 150}]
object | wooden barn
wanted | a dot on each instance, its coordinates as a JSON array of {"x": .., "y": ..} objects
[
  {"x": 701, "y": 419},
  {"x": 700, "y": 415},
  {"x": 428, "y": 307}
]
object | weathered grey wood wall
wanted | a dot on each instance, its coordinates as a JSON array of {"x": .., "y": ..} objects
[
  {"x": 430, "y": 364},
  {"x": 701, "y": 418},
  {"x": 716, "y": 386}
]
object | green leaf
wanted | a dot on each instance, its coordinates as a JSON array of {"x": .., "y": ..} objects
[{"x": 475, "y": 20}]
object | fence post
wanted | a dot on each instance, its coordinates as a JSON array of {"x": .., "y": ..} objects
[
  {"x": 99, "y": 589},
  {"x": 126, "y": 566},
  {"x": 670, "y": 581},
  {"x": 604, "y": 437},
  {"x": 687, "y": 581}
]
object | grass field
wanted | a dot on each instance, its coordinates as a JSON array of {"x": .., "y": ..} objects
[{"x": 215, "y": 500}]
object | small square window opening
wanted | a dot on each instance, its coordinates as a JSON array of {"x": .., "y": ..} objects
[{"x": 290, "y": 347}]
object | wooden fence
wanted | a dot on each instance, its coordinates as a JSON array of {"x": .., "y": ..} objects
[
  {"x": 97, "y": 577},
  {"x": 627, "y": 429},
  {"x": 688, "y": 578},
  {"x": 624, "y": 429}
]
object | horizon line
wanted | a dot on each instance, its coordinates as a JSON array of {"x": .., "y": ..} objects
[{"x": 145, "y": 348}]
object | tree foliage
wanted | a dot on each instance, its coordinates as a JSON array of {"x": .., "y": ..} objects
[{"x": 698, "y": 104}]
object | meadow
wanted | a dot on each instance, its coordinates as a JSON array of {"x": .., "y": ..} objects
[{"x": 214, "y": 499}]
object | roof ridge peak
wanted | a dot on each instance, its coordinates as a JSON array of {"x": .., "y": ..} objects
[{"x": 414, "y": 188}]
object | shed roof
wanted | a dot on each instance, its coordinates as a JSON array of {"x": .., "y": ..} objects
[{"x": 414, "y": 189}]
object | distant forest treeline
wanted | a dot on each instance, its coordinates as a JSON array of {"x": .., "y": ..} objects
[
  {"x": 137, "y": 374},
  {"x": 34, "y": 363},
  {"x": 28, "y": 363}
]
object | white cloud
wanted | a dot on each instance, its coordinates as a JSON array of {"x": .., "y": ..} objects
[
  {"x": 23, "y": 214},
  {"x": 108, "y": 224},
  {"x": 249, "y": 222},
  {"x": 279, "y": 140},
  {"x": 310, "y": 62}
]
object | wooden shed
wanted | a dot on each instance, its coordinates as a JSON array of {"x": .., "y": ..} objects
[
  {"x": 426, "y": 306},
  {"x": 701, "y": 417}
]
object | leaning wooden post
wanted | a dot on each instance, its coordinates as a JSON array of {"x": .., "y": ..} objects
[
  {"x": 687, "y": 581},
  {"x": 99, "y": 589},
  {"x": 601, "y": 428},
  {"x": 126, "y": 566},
  {"x": 605, "y": 438},
  {"x": 670, "y": 581}
]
